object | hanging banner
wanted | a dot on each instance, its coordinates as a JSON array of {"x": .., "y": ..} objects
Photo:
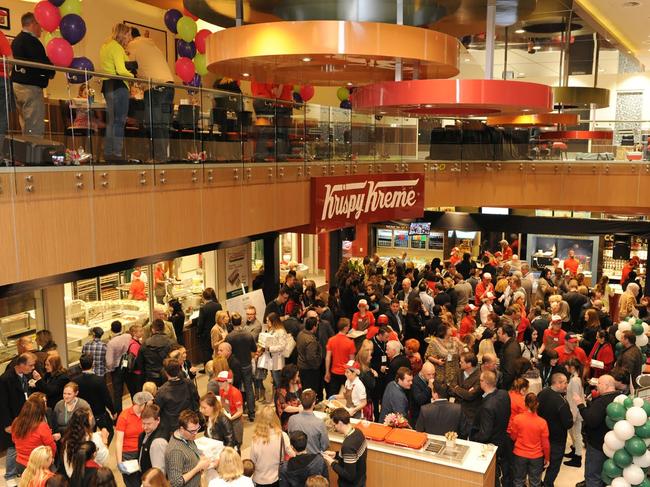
[{"x": 238, "y": 270}]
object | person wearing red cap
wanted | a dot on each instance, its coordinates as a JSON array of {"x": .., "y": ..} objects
[
  {"x": 631, "y": 265},
  {"x": 353, "y": 391},
  {"x": 137, "y": 289},
  {"x": 468, "y": 323},
  {"x": 570, "y": 350},
  {"x": 455, "y": 256},
  {"x": 233, "y": 403},
  {"x": 554, "y": 336},
  {"x": 362, "y": 319},
  {"x": 506, "y": 250},
  {"x": 483, "y": 287}
]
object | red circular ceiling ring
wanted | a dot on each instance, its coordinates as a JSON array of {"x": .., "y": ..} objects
[
  {"x": 461, "y": 97},
  {"x": 578, "y": 135}
]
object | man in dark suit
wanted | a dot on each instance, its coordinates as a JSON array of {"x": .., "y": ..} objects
[
  {"x": 439, "y": 416},
  {"x": 93, "y": 389},
  {"x": 395, "y": 317},
  {"x": 510, "y": 352},
  {"x": 491, "y": 425},
  {"x": 468, "y": 391},
  {"x": 206, "y": 320},
  {"x": 422, "y": 389},
  {"x": 396, "y": 359},
  {"x": 14, "y": 389},
  {"x": 324, "y": 313}
]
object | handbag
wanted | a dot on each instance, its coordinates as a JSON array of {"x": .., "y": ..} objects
[
  {"x": 289, "y": 347},
  {"x": 127, "y": 360}
]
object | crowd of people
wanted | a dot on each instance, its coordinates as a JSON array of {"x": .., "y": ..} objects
[{"x": 488, "y": 349}]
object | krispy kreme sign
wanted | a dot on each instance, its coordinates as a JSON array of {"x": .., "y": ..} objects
[{"x": 344, "y": 201}]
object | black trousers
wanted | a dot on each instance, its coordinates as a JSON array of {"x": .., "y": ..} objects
[
  {"x": 117, "y": 378},
  {"x": 555, "y": 463},
  {"x": 336, "y": 382},
  {"x": 311, "y": 379}
]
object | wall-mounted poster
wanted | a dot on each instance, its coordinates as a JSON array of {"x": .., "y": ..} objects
[
  {"x": 5, "y": 19},
  {"x": 238, "y": 270}
]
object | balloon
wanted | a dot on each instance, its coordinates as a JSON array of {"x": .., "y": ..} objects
[
  {"x": 73, "y": 28},
  {"x": 189, "y": 14},
  {"x": 199, "y": 64},
  {"x": 637, "y": 329},
  {"x": 638, "y": 402},
  {"x": 200, "y": 39},
  {"x": 296, "y": 88},
  {"x": 644, "y": 483},
  {"x": 635, "y": 446},
  {"x": 624, "y": 430},
  {"x": 47, "y": 15},
  {"x": 613, "y": 441},
  {"x": 625, "y": 325},
  {"x": 646, "y": 327},
  {"x": 643, "y": 431},
  {"x": 609, "y": 452},
  {"x": 610, "y": 422},
  {"x": 616, "y": 411},
  {"x": 185, "y": 69},
  {"x": 60, "y": 52},
  {"x": 346, "y": 104},
  {"x": 605, "y": 478},
  {"x": 307, "y": 92},
  {"x": 611, "y": 469},
  {"x": 80, "y": 63},
  {"x": 620, "y": 398},
  {"x": 622, "y": 458},
  {"x": 620, "y": 482},
  {"x": 48, "y": 36},
  {"x": 343, "y": 93},
  {"x": 618, "y": 348},
  {"x": 57, "y": 3},
  {"x": 636, "y": 416},
  {"x": 642, "y": 340},
  {"x": 628, "y": 402},
  {"x": 172, "y": 17},
  {"x": 646, "y": 407},
  {"x": 70, "y": 7},
  {"x": 633, "y": 474},
  {"x": 195, "y": 81},
  {"x": 642, "y": 461},
  {"x": 297, "y": 98},
  {"x": 619, "y": 336},
  {"x": 186, "y": 28},
  {"x": 185, "y": 49}
]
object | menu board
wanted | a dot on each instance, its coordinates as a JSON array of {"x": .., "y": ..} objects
[
  {"x": 384, "y": 238},
  {"x": 401, "y": 238},
  {"x": 419, "y": 242},
  {"x": 436, "y": 241}
]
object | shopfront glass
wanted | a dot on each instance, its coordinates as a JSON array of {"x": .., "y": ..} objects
[{"x": 20, "y": 315}]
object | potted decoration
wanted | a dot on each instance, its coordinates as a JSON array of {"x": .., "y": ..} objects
[
  {"x": 450, "y": 439},
  {"x": 396, "y": 420}
]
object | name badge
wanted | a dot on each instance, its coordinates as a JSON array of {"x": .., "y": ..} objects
[
  {"x": 449, "y": 357},
  {"x": 383, "y": 359},
  {"x": 556, "y": 339}
]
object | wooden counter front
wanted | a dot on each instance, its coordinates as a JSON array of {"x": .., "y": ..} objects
[{"x": 388, "y": 466}]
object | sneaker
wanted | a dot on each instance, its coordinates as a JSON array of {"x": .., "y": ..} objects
[{"x": 574, "y": 462}]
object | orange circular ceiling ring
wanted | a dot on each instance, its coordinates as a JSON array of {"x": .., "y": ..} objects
[
  {"x": 578, "y": 135},
  {"x": 330, "y": 52},
  {"x": 461, "y": 97},
  {"x": 534, "y": 120}
]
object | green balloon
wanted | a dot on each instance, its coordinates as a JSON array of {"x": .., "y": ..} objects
[
  {"x": 635, "y": 446},
  {"x": 199, "y": 64},
  {"x": 645, "y": 483},
  {"x": 637, "y": 328},
  {"x": 611, "y": 469},
  {"x": 343, "y": 93},
  {"x": 628, "y": 403},
  {"x": 48, "y": 36},
  {"x": 619, "y": 346},
  {"x": 616, "y": 411},
  {"x": 622, "y": 458},
  {"x": 606, "y": 478},
  {"x": 185, "y": 27},
  {"x": 646, "y": 407},
  {"x": 643, "y": 431},
  {"x": 70, "y": 7},
  {"x": 609, "y": 422}
]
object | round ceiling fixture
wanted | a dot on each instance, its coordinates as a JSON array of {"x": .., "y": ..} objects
[
  {"x": 550, "y": 27},
  {"x": 534, "y": 120},
  {"x": 459, "y": 97},
  {"x": 631, "y": 4},
  {"x": 578, "y": 97},
  {"x": 338, "y": 52},
  {"x": 578, "y": 135}
]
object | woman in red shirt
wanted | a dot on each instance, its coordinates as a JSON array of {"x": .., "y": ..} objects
[
  {"x": 38, "y": 470},
  {"x": 532, "y": 449},
  {"x": 468, "y": 323},
  {"x": 363, "y": 319},
  {"x": 412, "y": 347},
  {"x": 603, "y": 352},
  {"x": 127, "y": 431},
  {"x": 517, "y": 394},
  {"x": 29, "y": 431}
]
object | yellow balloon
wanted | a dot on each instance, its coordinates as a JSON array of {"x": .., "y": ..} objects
[{"x": 70, "y": 7}]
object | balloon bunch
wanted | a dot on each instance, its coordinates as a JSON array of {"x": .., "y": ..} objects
[
  {"x": 639, "y": 328},
  {"x": 303, "y": 93},
  {"x": 61, "y": 19},
  {"x": 626, "y": 444},
  {"x": 190, "y": 46},
  {"x": 343, "y": 94}
]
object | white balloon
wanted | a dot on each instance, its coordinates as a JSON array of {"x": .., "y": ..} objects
[
  {"x": 642, "y": 340},
  {"x": 643, "y": 461},
  {"x": 609, "y": 451},
  {"x": 625, "y": 325},
  {"x": 647, "y": 441},
  {"x": 636, "y": 416},
  {"x": 620, "y": 482},
  {"x": 620, "y": 398},
  {"x": 633, "y": 474},
  {"x": 646, "y": 327},
  {"x": 613, "y": 441},
  {"x": 619, "y": 335},
  {"x": 624, "y": 431},
  {"x": 638, "y": 402}
]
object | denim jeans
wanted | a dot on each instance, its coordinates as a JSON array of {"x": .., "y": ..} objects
[
  {"x": 276, "y": 376},
  {"x": 249, "y": 392},
  {"x": 594, "y": 460},
  {"x": 117, "y": 108},
  {"x": 528, "y": 467},
  {"x": 10, "y": 463},
  {"x": 557, "y": 454},
  {"x": 161, "y": 101}
]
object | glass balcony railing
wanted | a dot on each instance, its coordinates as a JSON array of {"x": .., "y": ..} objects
[{"x": 90, "y": 118}]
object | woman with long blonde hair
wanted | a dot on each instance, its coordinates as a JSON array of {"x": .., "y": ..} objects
[
  {"x": 230, "y": 471},
  {"x": 268, "y": 444},
  {"x": 113, "y": 61},
  {"x": 219, "y": 331},
  {"x": 37, "y": 471}
]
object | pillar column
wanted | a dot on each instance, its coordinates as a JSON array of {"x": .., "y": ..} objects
[
  {"x": 271, "y": 266},
  {"x": 490, "y": 26},
  {"x": 335, "y": 255},
  {"x": 54, "y": 316}
]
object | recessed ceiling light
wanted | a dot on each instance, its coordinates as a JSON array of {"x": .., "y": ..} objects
[
  {"x": 521, "y": 75},
  {"x": 537, "y": 48},
  {"x": 428, "y": 106},
  {"x": 526, "y": 110},
  {"x": 631, "y": 4},
  {"x": 245, "y": 75},
  {"x": 520, "y": 31},
  {"x": 602, "y": 70},
  {"x": 306, "y": 59},
  {"x": 349, "y": 83},
  {"x": 467, "y": 59}
]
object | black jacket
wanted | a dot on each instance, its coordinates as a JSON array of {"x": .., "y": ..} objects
[
  {"x": 469, "y": 401},
  {"x": 420, "y": 396},
  {"x": 207, "y": 317},
  {"x": 27, "y": 47},
  {"x": 222, "y": 430},
  {"x": 145, "y": 446},
  {"x": 398, "y": 361},
  {"x": 12, "y": 398},
  {"x": 509, "y": 354},
  {"x": 593, "y": 417},
  {"x": 154, "y": 351},
  {"x": 631, "y": 360},
  {"x": 94, "y": 391},
  {"x": 310, "y": 354},
  {"x": 492, "y": 419},
  {"x": 298, "y": 469},
  {"x": 555, "y": 410},
  {"x": 173, "y": 397},
  {"x": 439, "y": 417},
  {"x": 52, "y": 386}
]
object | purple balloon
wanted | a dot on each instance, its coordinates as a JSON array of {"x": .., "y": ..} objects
[
  {"x": 196, "y": 81},
  {"x": 73, "y": 28},
  {"x": 80, "y": 63},
  {"x": 57, "y": 3},
  {"x": 172, "y": 17},
  {"x": 185, "y": 49},
  {"x": 346, "y": 104},
  {"x": 297, "y": 98}
]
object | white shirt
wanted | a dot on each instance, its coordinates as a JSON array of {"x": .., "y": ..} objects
[
  {"x": 485, "y": 311},
  {"x": 151, "y": 61},
  {"x": 240, "y": 482},
  {"x": 358, "y": 390}
]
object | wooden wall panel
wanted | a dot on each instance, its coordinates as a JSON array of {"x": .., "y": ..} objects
[{"x": 9, "y": 266}]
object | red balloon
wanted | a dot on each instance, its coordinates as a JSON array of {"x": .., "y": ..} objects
[
  {"x": 60, "y": 52},
  {"x": 263, "y": 90},
  {"x": 199, "y": 40},
  {"x": 307, "y": 92},
  {"x": 189, "y": 14},
  {"x": 47, "y": 15},
  {"x": 185, "y": 69}
]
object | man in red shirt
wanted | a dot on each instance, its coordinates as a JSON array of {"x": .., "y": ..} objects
[
  {"x": 506, "y": 250},
  {"x": 554, "y": 336},
  {"x": 571, "y": 350},
  {"x": 571, "y": 263},
  {"x": 233, "y": 403},
  {"x": 483, "y": 287},
  {"x": 137, "y": 288},
  {"x": 339, "y": 351}
]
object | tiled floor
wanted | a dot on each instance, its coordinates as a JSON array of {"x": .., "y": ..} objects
[{"x": 568, "y": 477}]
